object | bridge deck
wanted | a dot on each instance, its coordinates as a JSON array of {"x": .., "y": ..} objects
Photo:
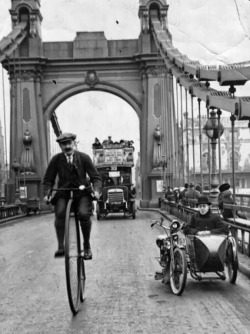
[{"x": 122, "y": 295}]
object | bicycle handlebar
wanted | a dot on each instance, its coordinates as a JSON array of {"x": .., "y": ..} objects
[
  {"x": 81, "y": 188},
  {"x": 71, "y": 189}
]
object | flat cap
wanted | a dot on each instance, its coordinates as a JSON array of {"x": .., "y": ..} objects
[
  {"x": 224, "y": 186},
  {"x": 65, "y": 137},
  {"x": 191, "y": 184}
]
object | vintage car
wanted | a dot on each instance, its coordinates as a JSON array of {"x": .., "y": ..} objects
[{"x": 118, "y": 193}]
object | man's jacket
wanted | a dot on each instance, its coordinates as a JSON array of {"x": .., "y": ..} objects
[
  {"x": 192, "y": 194},
  {"x": 208, "y": 222},
  {"x": 71, "y": 175}
]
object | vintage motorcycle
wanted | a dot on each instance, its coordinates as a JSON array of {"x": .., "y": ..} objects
[
  {"x": 203, "y": 255},
  {"x": 172, "y": 257}
]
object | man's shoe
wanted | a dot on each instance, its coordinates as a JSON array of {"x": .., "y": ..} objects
[
  {"x": 87, "y": 254},
  {"x": 59, "y": 252}
]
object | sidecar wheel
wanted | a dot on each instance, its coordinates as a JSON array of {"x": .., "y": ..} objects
[
  {"x": 178, "y": 272},
  {"x": 231, "y": 264}
]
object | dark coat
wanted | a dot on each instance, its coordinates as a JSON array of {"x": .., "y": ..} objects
[
  {"x": 192, "y": 194},
  {"x": 208, "y": 222},
  {"x": 71, "y": 175},
  {"x": 226, "y": 213}
]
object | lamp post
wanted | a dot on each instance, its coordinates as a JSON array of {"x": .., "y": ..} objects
[
  {"x": 16, "y": 168},
  {"x": 163, "y": 164},
  {"x": 213, "y": 129},
  {"x": 157, "y": 145}
]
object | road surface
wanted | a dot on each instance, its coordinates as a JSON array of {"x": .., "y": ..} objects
[{"x": 122, "y": 295}]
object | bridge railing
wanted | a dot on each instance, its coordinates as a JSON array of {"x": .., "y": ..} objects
[
  {"x": 12, "y": 210},
  {"x": 240, "y": 228}
]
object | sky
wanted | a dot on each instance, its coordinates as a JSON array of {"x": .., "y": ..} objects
[{"x": 213, "y": 32}]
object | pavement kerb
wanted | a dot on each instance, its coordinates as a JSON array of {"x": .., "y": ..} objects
[
  {"x": 13, "y": 219},
  {"x": 244, "y": 260}
]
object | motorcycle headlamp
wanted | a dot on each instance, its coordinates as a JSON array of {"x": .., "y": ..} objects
[
  {"x": 175, "y": 237},
  {"x": 167, "y": 243}
]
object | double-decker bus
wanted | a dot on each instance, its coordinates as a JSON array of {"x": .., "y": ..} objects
[{"x": 114, "y": 161}]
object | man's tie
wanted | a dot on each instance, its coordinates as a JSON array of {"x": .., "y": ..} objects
[{"x": 69, "y": 157}]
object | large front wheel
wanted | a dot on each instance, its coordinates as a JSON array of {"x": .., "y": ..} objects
[
  {"x": 178, "y": 271},
  {"x": 73, "y": 264},
  {"x": 83, "y": 279}
]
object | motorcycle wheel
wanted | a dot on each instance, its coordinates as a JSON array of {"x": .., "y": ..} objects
[
  {"x": 232, "y": 264},
  {"x": 178, "y": 271},
  {"x": 98, "y": 216},
  {"x": 133, "y": 211}
]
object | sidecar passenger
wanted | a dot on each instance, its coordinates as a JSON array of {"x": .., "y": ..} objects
[
  {"x": 206, "y": 237},
  {"x": 205, "y": 221}
]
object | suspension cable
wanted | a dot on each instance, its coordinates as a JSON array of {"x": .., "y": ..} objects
[
  {"x": 187, "y": 144},
  {"x": 164, "y": 124},
  {"x": 233, "y": 119},
  {"x": 192, "y": 112},
  {"x": 168, "y": 131},
  {"x": 209, "y": 156},
  {"x": 200, "y": 144},
  {"x": 182, "y": 136},
  {"x": 171, "y": 133},
  {"x": 177, "y": 133},
  {"x": 175, "y": 144},
  {"x": 219, "y": 146},
  {"x": 5, "y": 124}
]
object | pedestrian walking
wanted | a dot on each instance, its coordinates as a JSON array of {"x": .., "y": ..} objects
[
  {"x": 169, "y": 194},
  {"x": 192, "y": 193},
  {"x": 182, "y": 194},
  {"x": 225, "y": 197}
]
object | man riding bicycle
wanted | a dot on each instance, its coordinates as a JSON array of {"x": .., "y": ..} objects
[{"x": 72, "y": 168}]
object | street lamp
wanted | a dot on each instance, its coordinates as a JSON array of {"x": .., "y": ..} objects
[
  {"x": 213, "y": 130},
  {"x": 16, "y": 168},
  {"x": 157, "y": 146}
]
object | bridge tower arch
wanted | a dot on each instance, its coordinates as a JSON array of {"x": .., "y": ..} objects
[{"x": 44, "y": 74}]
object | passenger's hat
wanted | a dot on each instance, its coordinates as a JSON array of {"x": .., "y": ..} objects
[
  {"x": 224, "y": 186},
  {"x": 191, "y": 184},
  {"x": 65, "y": 137},
  {"x": 203, "y": 200}
]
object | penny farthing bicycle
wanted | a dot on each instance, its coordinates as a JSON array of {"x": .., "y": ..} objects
[{"x": 74, "y": 261}]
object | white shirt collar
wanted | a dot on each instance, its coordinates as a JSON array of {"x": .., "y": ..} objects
[{"x": 69, "y": 158}]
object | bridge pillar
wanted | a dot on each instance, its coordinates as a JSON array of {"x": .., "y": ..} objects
[
  {"x": 151, "y": 172},
  {"x": 29, "y": 134}
]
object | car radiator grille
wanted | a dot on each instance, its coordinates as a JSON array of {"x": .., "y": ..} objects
[{"x": 115, "y": 197}]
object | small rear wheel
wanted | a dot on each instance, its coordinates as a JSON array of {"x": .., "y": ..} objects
[
  {"x": 231, "y": 263},
  {"x": 178, "y": 271}
]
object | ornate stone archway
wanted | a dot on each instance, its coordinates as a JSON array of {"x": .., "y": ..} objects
[{"x": 44, "y": 74}]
